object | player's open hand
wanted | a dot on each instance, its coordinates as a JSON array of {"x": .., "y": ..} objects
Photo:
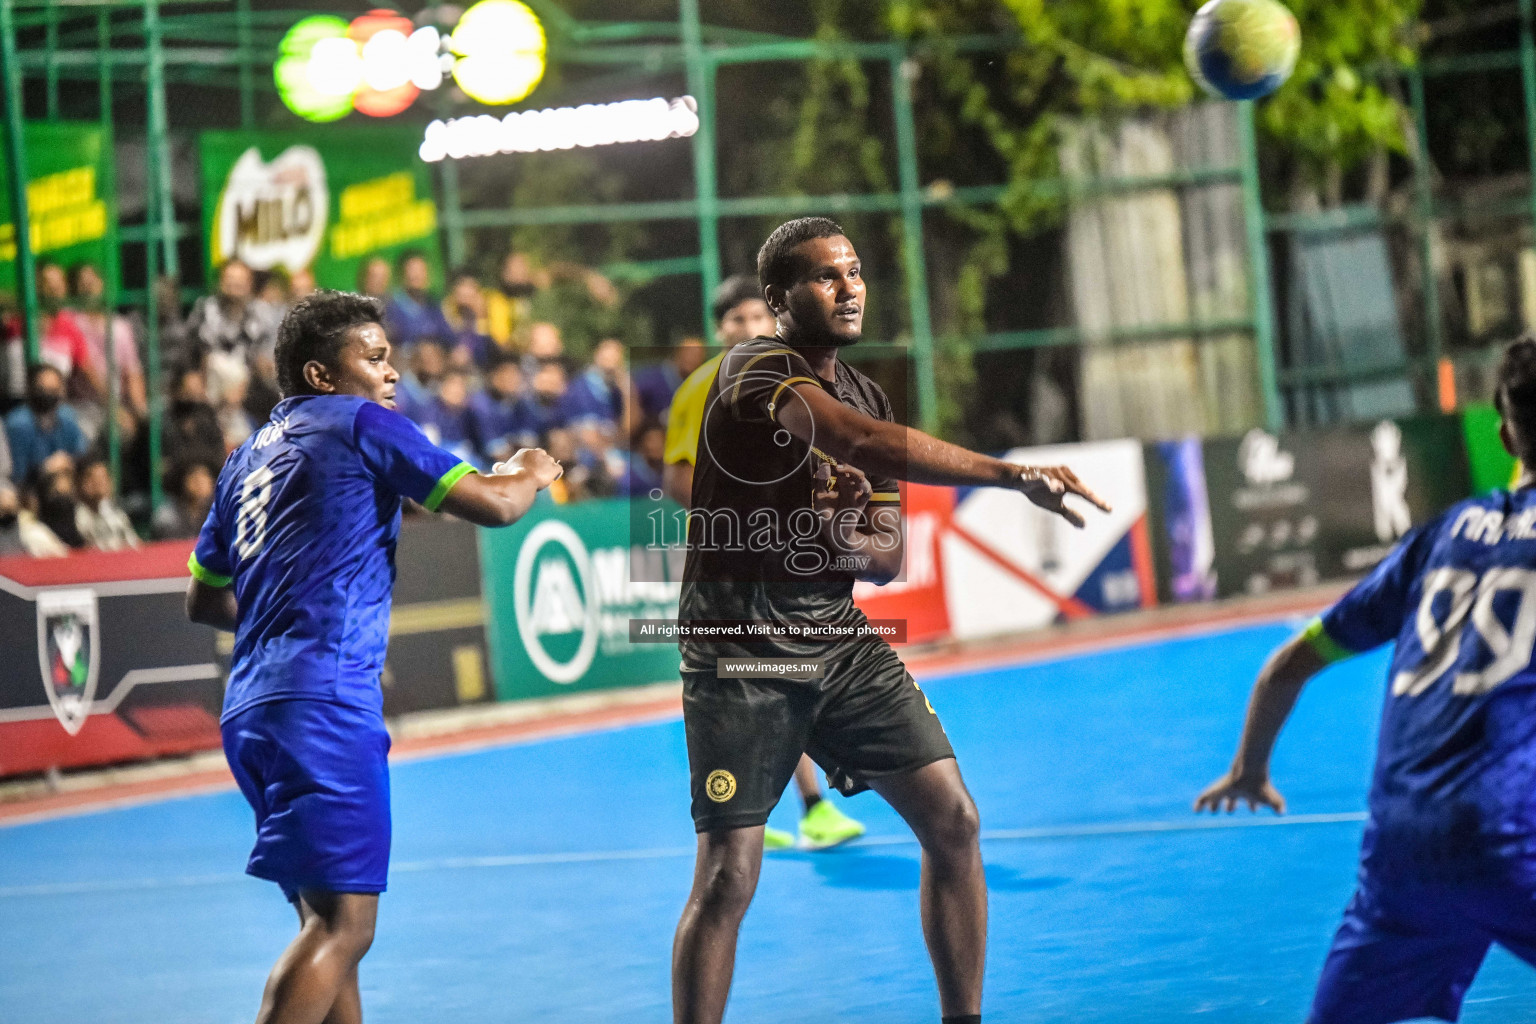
[
  {"x": 839, "y": 488},
  {"x": 1228, "y": 791},
  {"x": 1048, "y": 487},
  {"x": 537, "y": 463}
]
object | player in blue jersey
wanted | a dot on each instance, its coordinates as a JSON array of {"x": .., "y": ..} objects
[
  {"x": 1448, "y": 864},
  {"x": 297, "y": 558}
]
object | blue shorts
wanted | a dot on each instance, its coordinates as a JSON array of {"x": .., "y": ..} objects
[
  {"x": 317, "y": 776},
  {"x": 1409, "y": 948}
]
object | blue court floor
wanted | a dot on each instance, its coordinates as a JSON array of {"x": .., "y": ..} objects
[{"x": 541, "y": 882}]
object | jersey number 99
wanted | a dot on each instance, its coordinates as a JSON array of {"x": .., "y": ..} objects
[
  {"x": 1471, "y": 611},
  {"x": 251, "y": 520}
]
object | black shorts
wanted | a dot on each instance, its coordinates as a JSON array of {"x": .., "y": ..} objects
[{"x": 865, "y": 719}]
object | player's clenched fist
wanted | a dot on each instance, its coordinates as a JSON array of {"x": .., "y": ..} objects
[{"x": 536, "y": 462}]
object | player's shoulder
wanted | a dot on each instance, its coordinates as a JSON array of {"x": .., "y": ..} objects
[{"x": 873, "y": 395}]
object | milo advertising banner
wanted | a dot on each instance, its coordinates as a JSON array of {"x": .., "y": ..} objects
[
  {"x": 1294, "y": 509},
  {"x": 560, "y": 590},
  {"x": 325, "y": 200},
  {"x": 70, "y": 207}
]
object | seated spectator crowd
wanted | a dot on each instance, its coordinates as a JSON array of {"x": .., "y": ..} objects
[{"x": 478, "y": 374}]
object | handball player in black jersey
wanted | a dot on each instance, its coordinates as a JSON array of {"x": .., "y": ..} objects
[{"x": 794, "y": 499}]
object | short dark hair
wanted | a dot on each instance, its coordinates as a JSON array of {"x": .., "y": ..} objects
[
  {"x": 315, "y": 329},
  {"x": 1516, "y": 393},
  {"x": 78, "y": 270},
  {"x": 44, "y": 263},
  {"x": 732, "y": 292},
  {"x": 406, "y": 256},
  {"x": 776, "y": 259},
  {"x": 36, "y": 370}
]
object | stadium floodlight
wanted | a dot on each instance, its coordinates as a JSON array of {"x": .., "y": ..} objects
[
  {"x": 500, "y": 45},
  {"x": 533, "y": 131},
  {"x": 317, "y": 70}
]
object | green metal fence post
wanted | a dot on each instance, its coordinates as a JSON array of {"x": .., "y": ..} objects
[
  {"x": 16, "y": 158},
  {"x": 701, "y": 83},
  {"x": 915, "y": 264},
  {"x": 1424, "y": 206},
  {"x": 453, "y": 214},
  {"x": 51, "y": 69},
  {"x": 160, "y": 221},
  {"x": 111, "y": 271},
  {"x": 1263, "y": 302},
  {"x": 247, "y": 74},
  {"x": 1528, "y": 80}
]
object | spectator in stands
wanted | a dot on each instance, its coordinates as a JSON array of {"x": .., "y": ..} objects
[
  {"x": 544, "y": 346},
  {"x": 445, "y": 418},
  {"x": 190, "y": 485},
  {"x": 10, "y": 526},
  {"x": 7, "y": 487},
  {"x": 192, "y": 429},
  {"x": 413, "y": 312},
  {"x": 642, "y": 472},
  {"x": 89, "y": 290},
  {"x": 374, "y": 277},
  {"x": 656, "y": 384},
  {"x": 99, "y": 519},
  {"x": 231, "y": 325},
  {"x": 301, "y": 284},
  {"x": 13, "y": 356},
  {"x": 235, "y": 422},
  {"x": 44, "y": 425},
  {"x": 414, "y": 391},
  {"x": 56, "y": 505},
  {"x": 275, "y": 289},
  {"x": 599, "y": 396},
  {"x": 36, "y": 538},
  {"x": 509, "y": 306},
  {"x": 546, "y": 405},
  {"x": 501, "y": 417},
  {"x": 464, "y": 309},
  {"x": 60, "y": 339}
]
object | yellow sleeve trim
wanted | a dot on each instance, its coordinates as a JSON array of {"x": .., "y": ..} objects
[
  {"x": 1327, "y": 648},
  {"x": 773, "y": 403},
  {"x": 445, "y": 484},
  {"x": 885, "y": 496},
  {"x": 207, "y": 576},
  {"x": 741, "y": 374}
]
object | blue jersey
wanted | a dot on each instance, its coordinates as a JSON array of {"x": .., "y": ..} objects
[
  {"x": 304, "y": 524},
  {"x": 1455, "y": 777}
]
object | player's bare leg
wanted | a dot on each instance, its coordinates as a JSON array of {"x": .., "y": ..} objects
[
  {"x": 934, "y": 802},
  {"x": 806, "y": 781},
  {"x": 315, "y": 980},
  {"x": 704, "y": 952}
]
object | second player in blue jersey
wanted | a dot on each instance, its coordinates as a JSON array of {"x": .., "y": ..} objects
[
  {"x": 1448, "y": 863},
  {"x": 297, "y": 558}
]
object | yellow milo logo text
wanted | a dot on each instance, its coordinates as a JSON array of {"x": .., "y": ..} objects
[
  {"x": 720, "y": 786},
  {"x": 379, "y": 213},
  {"x": 64, "y": 211}
]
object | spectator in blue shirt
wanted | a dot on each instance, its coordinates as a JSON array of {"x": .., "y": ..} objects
[
  {"x": 501, "y": 417},
  {"x": 418, "y": 384},
  {"x": 599, "y": 395},
  {"x": 642, "y": 472},
  {"x": 547, "y": 396},
  {"x": 44, "y": 425},
  {"x": 464, "y": 309},
  {"x": 414, "y": 312},
  {"x": 656, "y": 384},
  {"x": 445, "y": 419}
]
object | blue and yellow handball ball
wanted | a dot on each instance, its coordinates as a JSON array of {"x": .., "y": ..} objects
[{"x": 1242, "y": 49}]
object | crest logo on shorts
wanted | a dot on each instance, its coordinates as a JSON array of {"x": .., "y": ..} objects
[
  {"x": 720, "y": 786},
  {"x": 69, "y": 653}
]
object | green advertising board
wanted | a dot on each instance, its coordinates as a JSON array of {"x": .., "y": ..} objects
[
  {"x": 1492, "y": 465},
  {"x": 71, "y": 208},
  {"x": 325, "y": 199},
  {"x": 560, "y": 588}
]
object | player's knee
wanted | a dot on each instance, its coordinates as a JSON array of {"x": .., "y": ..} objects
[
  {"x": 725, "y": 886},
  {"x": 956, "y": 828}
]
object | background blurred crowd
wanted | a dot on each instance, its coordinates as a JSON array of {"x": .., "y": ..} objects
[{"x": 478, "y": 373}]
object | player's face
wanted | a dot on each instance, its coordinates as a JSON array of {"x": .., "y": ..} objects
[
  {"x": 745, "y": 321},
  {"x": 825, "y": 305},
  {"x": 362, "y": 367}
]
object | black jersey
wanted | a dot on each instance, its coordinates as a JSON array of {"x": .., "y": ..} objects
[{"x": 754, "y": 547}]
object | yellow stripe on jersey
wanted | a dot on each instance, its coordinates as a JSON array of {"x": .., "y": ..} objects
[
  {"x": 885, "y": 496},
  {"x": 773, "y": 403}
]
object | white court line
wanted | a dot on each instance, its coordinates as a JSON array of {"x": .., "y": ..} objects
[{"x": 1193, "y": 824}]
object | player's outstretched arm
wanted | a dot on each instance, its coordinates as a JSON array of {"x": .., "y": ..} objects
[
  {"x": 1274, "y": 695},
  {"x": 881, "y": 448},
  {"x": 211, "y": 606},
  {"x": 503, "y": 497}
]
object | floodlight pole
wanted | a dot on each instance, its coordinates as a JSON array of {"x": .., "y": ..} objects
[
  {"x": 16, "y": 159},
  {"x": 903, "y": 75}
]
